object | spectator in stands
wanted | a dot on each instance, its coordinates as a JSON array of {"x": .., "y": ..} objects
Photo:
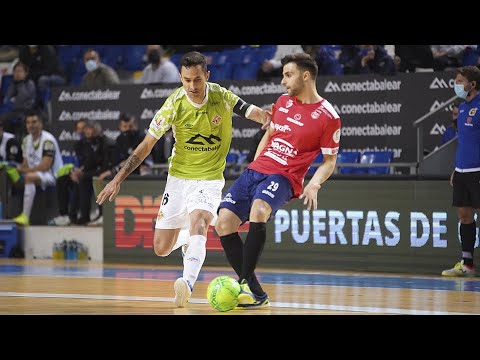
[
  {"x": 42, "y": 159},
  {"x": 366, "y": 59},
  {"x": 96, "y": 156},
  {"x": 44, "y": 66},
  {"x": 20, "y": 98},
  {"x": 325, "y": 58},
  {"x": 448, "y": 56},
  {"x": 79, "y": 126},
  {"x": 128, "y": 139},
  {"x": 98, "y": 74},
  {"x": 452, "y": 129},
  {"x": 273, "y": 67},
  {"x": 160, "y": 69},
  {"x": 410, "y": 57}
]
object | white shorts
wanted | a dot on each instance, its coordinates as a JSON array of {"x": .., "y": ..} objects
[
  {"x": 183, "y": 196},
  {"x": 47, "y": 179}
]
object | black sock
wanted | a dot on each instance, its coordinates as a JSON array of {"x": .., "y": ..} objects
[
  {"x": 233, "y": 246},
  {"x": 251, "y": 254},
  {"x": 467, "y": 235}
]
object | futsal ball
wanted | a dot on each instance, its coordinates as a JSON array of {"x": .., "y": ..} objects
[{"x": 222, "y": 293}]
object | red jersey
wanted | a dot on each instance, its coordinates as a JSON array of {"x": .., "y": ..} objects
[{"x": 301, "y": 132}]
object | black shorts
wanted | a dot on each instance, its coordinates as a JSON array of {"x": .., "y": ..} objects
[{"x": 466, "y": 189}]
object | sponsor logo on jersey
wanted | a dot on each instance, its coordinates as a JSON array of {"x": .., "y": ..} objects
[
  {"x": 282, "y": 128},
  {"x": 282, "y": 109},
  {"x": 289, "y": 103},
  {"x": 296, "y": 122}
]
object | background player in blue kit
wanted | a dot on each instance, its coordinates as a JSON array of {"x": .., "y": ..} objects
[{"x": 466, "y": 177}]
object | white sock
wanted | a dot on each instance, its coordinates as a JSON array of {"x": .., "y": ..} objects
[
  {"x": 28, "y": 197},
  {"x": 194, "y": 258},
  {"x": 182, "y": 239}
]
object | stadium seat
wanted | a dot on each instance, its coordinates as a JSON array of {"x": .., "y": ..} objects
[
  {"x": 70, "y": 159},
  {"x": 133, "y": 57},
  {"x": 348, "y": 157},
  {"x": 112, "y": 55},
  {"x": 6, "y": 80},
  {"x": 372, "y": 157}
]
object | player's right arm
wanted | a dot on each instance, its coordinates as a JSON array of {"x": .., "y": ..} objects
[{"x": 134, "y": 160}]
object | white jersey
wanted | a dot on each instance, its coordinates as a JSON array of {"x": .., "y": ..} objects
[{"x": 46, "y": 144}]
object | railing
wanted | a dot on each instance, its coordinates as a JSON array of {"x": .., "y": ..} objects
[{"x": 418, "y": 124}]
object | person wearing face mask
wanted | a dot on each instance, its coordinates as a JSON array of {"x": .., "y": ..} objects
[
  {"x": 160, "y": 70},
  {"x": 465, "y": 179},
  {"x": 451, "y": 131},
  {"x": 98, "y": 74},
  {"x": 128, "y": 139}
]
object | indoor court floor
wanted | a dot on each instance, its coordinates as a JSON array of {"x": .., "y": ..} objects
[{"x": 66, "y": 287}]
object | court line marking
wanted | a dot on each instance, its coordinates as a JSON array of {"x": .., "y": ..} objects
[{"x": 375, "y": 310}]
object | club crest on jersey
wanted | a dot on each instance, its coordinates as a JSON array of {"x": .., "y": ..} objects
[
  {"x": 472, "y": 112},
  {"x": 315, "y": 115},
  {"x": 217, "y": 120},
  {"x": 336, "y": 136},
  {"x": 159, "y": 120},
  {"x": 289, "y": 103},
  {"x": 160, "y": 215}
]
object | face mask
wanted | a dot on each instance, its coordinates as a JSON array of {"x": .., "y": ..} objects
[
  {"x": 153, "y": 57},
  {"x": 91, "y": 65},
  {"x": 460, "y": 91}
]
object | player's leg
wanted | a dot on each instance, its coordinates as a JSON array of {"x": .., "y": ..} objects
[
  {"x": 203, "y": 198},
  {"x": 32, "y": 179},
  {"x": 233, "y": 211},
  {"x": 270, "y": 195},
  {"x": 466, "y": 197},
  {"x": 172, "y": 220}
]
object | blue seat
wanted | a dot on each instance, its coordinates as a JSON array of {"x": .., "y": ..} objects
[
  {"x": 232, "y": 158},
  {"x": 318, "y": 159},
  {"x": 112, "y": 55},
  {"x": 70, "y": 159},
  {"x": 372, "y": 157},
  {"x": 6, "y": 80},
  {"x": 348, "y": 157},
  {"x": 133, "y": 57}
]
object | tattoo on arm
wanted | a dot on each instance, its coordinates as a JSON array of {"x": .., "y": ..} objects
[{"x": 131, "y": 164}]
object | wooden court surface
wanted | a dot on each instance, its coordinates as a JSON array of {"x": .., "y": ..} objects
[{"x": 66, "y": 287}]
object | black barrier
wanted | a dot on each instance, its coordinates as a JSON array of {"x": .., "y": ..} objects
[
  {"x": 377, "y": 111},
  {"x": 361, "y": 225}
]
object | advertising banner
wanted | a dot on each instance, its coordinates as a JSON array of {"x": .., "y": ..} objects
[
  {"x": 391, "y": 226},
  {"x": 377, "y": 112}
]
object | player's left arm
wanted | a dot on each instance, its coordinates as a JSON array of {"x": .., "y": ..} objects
[{"x": 252, "y": 112}]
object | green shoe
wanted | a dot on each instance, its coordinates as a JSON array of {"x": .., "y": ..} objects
[
  {"x": 248, "y": 300},
  {"x": 22, "y": 219}
]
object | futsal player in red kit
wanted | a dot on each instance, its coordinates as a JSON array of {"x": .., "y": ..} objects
[{"x": 303, "y": 124}]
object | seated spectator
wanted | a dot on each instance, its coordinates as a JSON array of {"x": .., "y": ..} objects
[
  {"x": 98, "y": 74},
  {"x": 273, "y": 67},
  {"x": 162, "y": 150},
  {"x": 44, "y": 66},
  {"x": 410, "y": 57},
  {"x": 160, "y": 69},
  {"x": 20, "y": 98},
  {"x": 40, "y": 164},
  {"x": 325, "y": 58},
  {"x": 448, "y": 56},
  {"x": 452, "y": 130},
  {"x": 366, "y": 59},
  {"x": 96, "y": 156}
]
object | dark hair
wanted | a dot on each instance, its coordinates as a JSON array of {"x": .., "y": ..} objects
[
  {"x": 194, "y": 58},
  {"x": 75, "y": 124},
  {"x": 36, "y": 113},
  {"x": 471, "y": 73},
  {"x": 126, "y": 117},
  {"x": 303, "y": 61}
]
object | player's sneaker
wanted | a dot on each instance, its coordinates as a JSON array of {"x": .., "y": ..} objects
[
  {"x": 248, "y": 300},
  {"x": 183, "y": 291},
  {"x": 460, "y": 270}
]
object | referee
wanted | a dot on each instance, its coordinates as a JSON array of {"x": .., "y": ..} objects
[{"x": 465, "y": 178}]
